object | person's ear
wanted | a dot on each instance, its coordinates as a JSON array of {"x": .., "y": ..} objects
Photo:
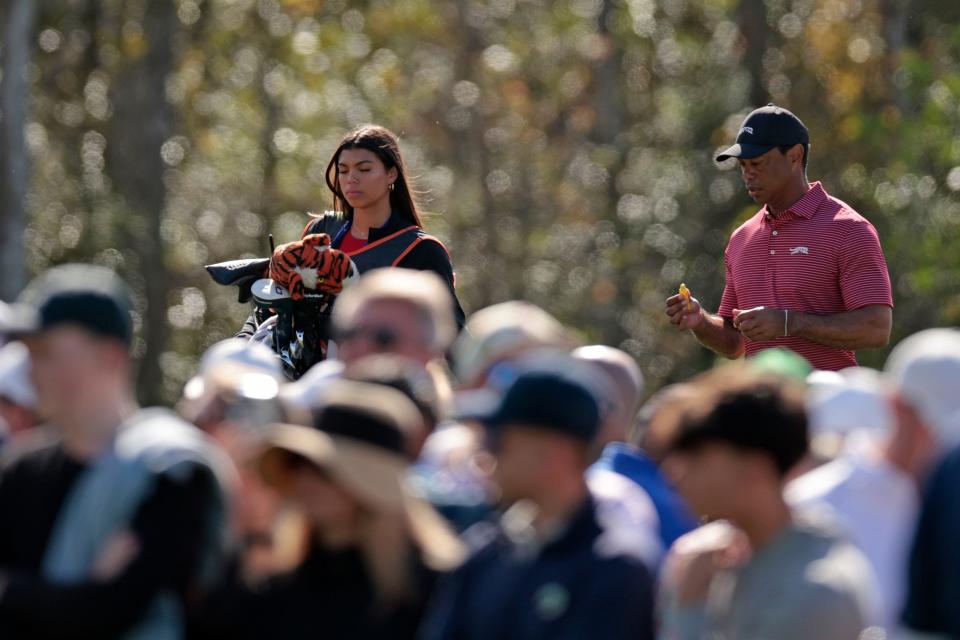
[
  {"x": 796, "y": 155},
  {"x": 392, "y": 175}
]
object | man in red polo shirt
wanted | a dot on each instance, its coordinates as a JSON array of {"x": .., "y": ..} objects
[{"x": 806, "y": 272}]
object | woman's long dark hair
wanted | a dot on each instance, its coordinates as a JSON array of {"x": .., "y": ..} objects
[{"x": 386, "y": 146}]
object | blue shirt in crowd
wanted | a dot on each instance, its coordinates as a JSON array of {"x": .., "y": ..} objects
[{"x": 676, "y": 518}]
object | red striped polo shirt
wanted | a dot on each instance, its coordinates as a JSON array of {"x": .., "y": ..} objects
[{"x": 819, "y": 256}]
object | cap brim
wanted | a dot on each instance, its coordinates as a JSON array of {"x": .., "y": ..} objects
[
  {"x": 18, "y": 319},
  {"x": 477, "y": 405},
  {"x": 744, "y": 151}
]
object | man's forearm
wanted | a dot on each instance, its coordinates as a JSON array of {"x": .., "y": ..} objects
[
  {"x": 862, "y": 328},
  {"x": 718, "y": 334}
]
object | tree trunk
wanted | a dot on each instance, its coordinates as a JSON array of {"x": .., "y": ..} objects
[
  {"x": 18, "y": 30},
  {"x": 752, "y": 17},
  {"x": 142, "y": 122}
]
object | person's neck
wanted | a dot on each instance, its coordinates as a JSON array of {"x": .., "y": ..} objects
[
  {"x": 558, "y": 505},
  {"x": 372, "y": 217},
  {"x": 86, "y": 434},
  {"x": 338, "y": 537},
  {"x": 790, "y": 196},
  {"x": 764, "y": 520}
]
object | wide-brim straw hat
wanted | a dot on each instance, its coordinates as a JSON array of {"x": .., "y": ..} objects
[{"x": 357, "y": 438}]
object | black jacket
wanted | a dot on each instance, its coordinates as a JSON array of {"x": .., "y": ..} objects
[
  {"x": 578, "y": 586},
  {"x": 330, "y": 595}
]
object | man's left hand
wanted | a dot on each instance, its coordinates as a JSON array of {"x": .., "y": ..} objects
[{"x": 759, "y": 323}]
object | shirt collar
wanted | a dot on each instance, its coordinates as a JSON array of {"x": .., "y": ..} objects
[{"x": 806, "y": 206}]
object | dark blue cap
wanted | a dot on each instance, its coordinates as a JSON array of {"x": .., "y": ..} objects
[
  {"x": 92, "y": 297},
  {"x": 549, "y": 400},
  {"x": 764, "y": 129}
]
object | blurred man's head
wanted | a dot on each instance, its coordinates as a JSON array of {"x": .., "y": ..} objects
[
  {"x": 923, "y": 372},
  {"x": 501, "y": 334},
  {"x": 736, "y": 440},
  {"x": 236, "y": 389},
  {"x": 541, "y": 433},
  {"x": 624, "y": 392},
  {"x": 655, "y": 427},
  {"x": 18, "y": 400},
  {"x": 75, "y": 321},
  {"x": 400, "y": 311}
]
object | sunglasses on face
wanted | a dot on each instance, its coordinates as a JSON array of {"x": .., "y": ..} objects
[{"x": 382, "y": 337}]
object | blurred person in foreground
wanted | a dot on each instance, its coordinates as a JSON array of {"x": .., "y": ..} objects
[
  {"x": 621, "y": 438},
  {"x": 924, "y": 371},
  {"x": 233, "y": 396},
  {"x": 373, "y": 551},
  {"x": 399, "y": 311},
  {"x": 500, "y": 334},
  {"x": 111, "y": 515},
  {"x": 871, "y": 487},
  {"x": 547, "y": 568},
  {"x": 806, "y": 272},
  {"x": 766, "y": 573},
  {"x": 18, "y": 398}
]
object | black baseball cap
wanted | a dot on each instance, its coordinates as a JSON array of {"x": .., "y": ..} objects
[
  {"x": 765, "y": 128},
  {"x": 552, "y": 400},
  {"x": 89, "y": 296}
]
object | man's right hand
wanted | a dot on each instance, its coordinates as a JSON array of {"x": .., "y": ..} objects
[{"x": 685, "y": 313}]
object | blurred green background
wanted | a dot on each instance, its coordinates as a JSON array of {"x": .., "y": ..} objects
[{"x": 563, "y": 148}]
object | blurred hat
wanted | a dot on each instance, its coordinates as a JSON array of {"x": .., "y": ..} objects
[
  {"x": 555, "y": 395},
  {"x": 764, "y": 129},
  {"x": 15, "y": 384},
  {"x": 851, "y": 401},
  {"x": 925, "y": 370},
  {"x": 359, "y": 438},
  {"x": 248, "y": 369},
  {"x": 503, "y": 331},
  {"x": 626, "y": 379},
  {"x": 782, "y": 362},
  {"x": 85, "y": 295},
  {"x": 306, "y": 393}
]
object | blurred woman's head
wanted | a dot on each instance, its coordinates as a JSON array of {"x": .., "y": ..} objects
[
  {"x": 346, "y": 474},
  {"x": 366, "y": 169}
]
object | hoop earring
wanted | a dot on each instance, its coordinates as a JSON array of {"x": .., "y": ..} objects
[{"x": 391, "y": 186}]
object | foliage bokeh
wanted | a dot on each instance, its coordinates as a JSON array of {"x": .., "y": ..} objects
[{"x": 563, "y": 148}]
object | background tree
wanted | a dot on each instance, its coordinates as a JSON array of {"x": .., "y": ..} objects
[{"x": 563, "y": 147}]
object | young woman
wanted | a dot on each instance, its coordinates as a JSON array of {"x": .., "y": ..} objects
[
  {"x": 375, "y": 219},
  {"x": 374, "y": 552}
]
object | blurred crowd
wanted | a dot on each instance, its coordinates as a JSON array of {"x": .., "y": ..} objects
[{"x": 503, "y": 481}]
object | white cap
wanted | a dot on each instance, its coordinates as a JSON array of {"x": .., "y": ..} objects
[
  {"x": 503, "y": 331},
  {"x": 15, "y": 384},
  {"x": 307, "y": 392},
  {"x": 925, "y": 370},
  {"x": 852, "y": 400},
  {"x": 248, "y": 368}
]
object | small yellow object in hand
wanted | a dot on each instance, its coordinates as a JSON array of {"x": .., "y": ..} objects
[{"x": 686, "y": 294}]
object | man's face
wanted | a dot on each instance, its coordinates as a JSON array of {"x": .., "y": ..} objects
[
  {"x": 68, "y": 367},
  {"x": 768, "y": 175},
  {"x": 711, "y": 478},
  {"x": 386, "y": 326},
  {"x": 521, "y": 454}
]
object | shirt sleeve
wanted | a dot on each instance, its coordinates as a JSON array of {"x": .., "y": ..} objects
[
  {"x": 169, "y": 530},
  {"x": 430, "y": 255},
  {"x": 728, "y": 302},
  {"x": 864, "y": 279}
]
